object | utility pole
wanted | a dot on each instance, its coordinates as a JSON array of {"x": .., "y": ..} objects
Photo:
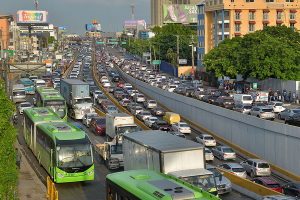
[
  {"x": 192, "y": 51},
  {"x": 159, "y": 58},
  {"x": 150, "y": 51},
  {"x": 1, "y": 39},
  {"x": 177, "y": 51}
]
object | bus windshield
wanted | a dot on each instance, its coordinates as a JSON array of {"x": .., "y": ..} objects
[
  {"x": 19, "y": 93},
  {"x": 85, "y": 100},
  {"x": 205, "y": 182},
  {"x": 28, "y": 84},
  {"x": 74, "y": 156},
  {"x": 127, "y": 129},
  {"x": 57, "y": 106}
]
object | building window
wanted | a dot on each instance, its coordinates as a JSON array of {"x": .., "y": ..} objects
[
  {"x": 213, "y": 26},
  {"x": 201, "y": 56},
  {"x": 279, "y": 16},
  {"x": 226, "y": 13},
  {"x": 265, "y": 25},
  {"x": 231, "y": 1},
  {"x": 215, "y": 2},
  {"x": 266, "y": 16},
  {"x": 201, "y": 10},
  {"x": 206, "y": 3},
  {"x": 220, "y": 1},
  {"x": 292, "y": 25},
  {"x": 210, "y": 3},
  {"x": 226, "y": 36},
  {"x": 251, "y": 27},
  {"x": 219, "y": 37},
  {"x": 213, "y": 37},
  {"x": 269, "y": 1},
  {"x": 251, "y": 15},
  {"x": 226, "y": 25},
  {"x": 293, "y": 15},
  {"x": 289, "y": 1},
  {"x": 237, "y": 28},
  {"x": 249, "y": 1},
  {"x": 237, "y": 16}
]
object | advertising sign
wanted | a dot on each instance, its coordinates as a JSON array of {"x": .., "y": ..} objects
[
  {"x": 93, "y": 27},
  {"x": 11, "y": 47},
  {"x": 33, "y": 17},
  {"x": 180, "y": 13},
  {"x": 182, "y": 61},
  {"x": 254, "y": 86},
  {"x": 156, "y": 62},
  {"x": 146, "y": 54},
  {"x": 62, "y": 29},
  {"x": 131, "y": 24}
]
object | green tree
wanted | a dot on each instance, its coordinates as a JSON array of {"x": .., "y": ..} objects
[
  {"x": 171, "y": 56},
  {"x": 8, "y": 167},
  {"x": 269, "y": 53},
  {"x": 51, "y": 39}
]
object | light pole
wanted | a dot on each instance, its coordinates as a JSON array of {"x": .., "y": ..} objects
[
  {"x": 159, "y": 58},
  {"x": 135, "y": 84}
]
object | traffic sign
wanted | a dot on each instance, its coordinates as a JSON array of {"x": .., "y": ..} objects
[
  {"x": 100, "y": 42},
  {"x": 254, "y": 85},
  {"x": 182, "y": 61},
  {"x": 123, "y": 42},
  {"x": 156, "y": 62},
  {"x": 114, "y": 43}
]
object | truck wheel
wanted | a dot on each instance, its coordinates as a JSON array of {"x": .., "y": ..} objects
[
  {"x": 100, "y": 159},
  {"x": 252, "y": 175}
]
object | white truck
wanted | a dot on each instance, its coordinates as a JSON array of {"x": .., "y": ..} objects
[
  {"x": 110, "y": 154},
  {"x": 168, "y": 154},
  {"x": 118, "y": 124}
]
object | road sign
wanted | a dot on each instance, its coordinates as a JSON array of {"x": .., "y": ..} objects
[
  {"x": 100, "y": 42},
  {"x": 254, "y": 85},
  {"x": 182, "y": 61},
  {"x": 123, "y": 42},
  {"x": 146, "y": 54},
  {"x": 10, "y": 52},
  {"x": 156, "y": 62},
  {"x": 114, "y": 43}
]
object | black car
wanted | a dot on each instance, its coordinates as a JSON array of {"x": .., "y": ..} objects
[
  {"x": 161, "y": 125},
  {"x": 225, "y": 102},
  {"x": 116, "y": 78},
  {"x": 208, "y": 99},
  {"x": 102, "y": 74},
  {"x": 293, "y": 120},
  {"x": 292, "y": 189},
  {"x": 157, "y": 111},
  {"x": 92, "y": 89}
]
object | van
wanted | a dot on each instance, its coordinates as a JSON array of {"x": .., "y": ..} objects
[
  {"x": 171, "y": 118},
  {"x": 39, "y": 83},
  {"x": 242, "y": 99}
]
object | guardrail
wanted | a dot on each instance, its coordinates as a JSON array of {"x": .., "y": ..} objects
[
  {"x": 138, "y": 122},
  {"x": 241, "y": 150},
  {"x": 52, "y": 193},
  {"x": 99, "y": 112},
  {"x": 66, "y": 74}
]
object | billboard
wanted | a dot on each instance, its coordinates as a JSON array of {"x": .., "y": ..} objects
[
  {"x": 131, "y": 24},
  {"x": 93, "y": 27},
  {"x": 32, "y": 17},
  {"x": 62, "y": 29},
  {"x": 180, "y": 13}
]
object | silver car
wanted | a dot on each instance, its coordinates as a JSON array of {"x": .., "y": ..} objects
[
  {"x": 224, "y": 153},
  {"x": 278, "y": 197},
  {"x": 235, "y": 169},
  {"x": 23, "y": 106},
  {"x": 223, "y": 183},
  {"x": 209, "y": 156},
  {"x": 140, "y": 98},
  {"x": 287, "y": 113},
  {"x": 263, "y": 113},
  {"x": 87, "y": 118},
  {"x": 243, "y": 108},
  {"x": 256, "y": 167},
  {"x": 150, "y": 104},
  {"x": 111, "y": 109}
]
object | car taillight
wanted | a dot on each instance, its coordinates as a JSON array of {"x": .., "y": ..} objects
[
  {"x": 262, "y": 112},
  {"x": 256, "y": 169},
  {"x": 124, "y": 104},
  {"x": 214, "y": 141},
  {"x": 241, "y": 102},
  {"x": 270, "y": 169},
  {"x": 224, "y": 154},
  {"x": 274, "y": 106},
  {"x": 224, "y": 103},
  {"x": 159, "y": 128},
  {"x": 234, "y": 154},
  {"x": 245, "y": 172},
  {"x": 243, "y": 109},
  {"x": 206, "y": 141}
]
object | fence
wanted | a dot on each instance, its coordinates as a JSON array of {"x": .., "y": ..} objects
[{"x": 52, "y": 193}]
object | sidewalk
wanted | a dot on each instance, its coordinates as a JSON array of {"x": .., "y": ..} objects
[{"x": 29, "y": 185}]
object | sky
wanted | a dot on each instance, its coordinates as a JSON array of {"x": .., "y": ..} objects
[{"x": 76, "y": 13}]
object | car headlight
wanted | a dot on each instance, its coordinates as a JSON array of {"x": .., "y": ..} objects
[
  {"x": 90, "y": 173},
  {"x": 60, "y": 175},
  {"x": 228, "y": 184}
]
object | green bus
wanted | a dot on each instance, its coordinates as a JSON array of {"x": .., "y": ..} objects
[
  {"x": 51, "y": 98},
  {"x": 148, "y": 184},
  {"x": 64, "y": 150}
]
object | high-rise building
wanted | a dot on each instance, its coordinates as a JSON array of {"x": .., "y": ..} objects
[
  {"x": 232, "y": 18},
  {"x": 157, "y": 9}
]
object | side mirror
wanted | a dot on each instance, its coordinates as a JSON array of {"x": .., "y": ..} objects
[{"x": 221, "y": 177}]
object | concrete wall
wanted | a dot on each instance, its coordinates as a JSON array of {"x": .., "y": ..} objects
[
  {"x": 185, "y": 70},
  {"x": 168, "y": 68},
  {"x": 275, "y": 142}
]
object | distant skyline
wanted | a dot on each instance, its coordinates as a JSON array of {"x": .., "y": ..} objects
[{"x": 74, "y": 14}]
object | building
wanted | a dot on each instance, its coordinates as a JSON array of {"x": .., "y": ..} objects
[
  {"x": 92, "y": 34},
  {"x": 231, "y": 18},
  {"x": 200, "y": 35},
  {"x": 4, "y": 31},
  {"x": 157, "y": 9}
]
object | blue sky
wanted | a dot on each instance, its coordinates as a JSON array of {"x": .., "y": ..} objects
[{"x": 76, "y": 13}]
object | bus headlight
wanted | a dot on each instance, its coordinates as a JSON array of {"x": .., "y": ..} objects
[
  {"x": 60, "y": 175},
  {"x": 90, "y": 173}
]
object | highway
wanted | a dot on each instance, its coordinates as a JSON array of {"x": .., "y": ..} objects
[{"x": 96, "y": 189}]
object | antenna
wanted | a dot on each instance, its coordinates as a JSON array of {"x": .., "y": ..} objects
[
  {"x": 132, "y": 7},
  {"x": 36, "y": 3}
]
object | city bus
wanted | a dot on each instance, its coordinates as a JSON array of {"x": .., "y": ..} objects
[
  {"x": 18, "y": 93},
  {"x": 28, "y": 84},
  {"x": 149, "y": 184},
  {"x": 62, "y": 149},
  {"x": 54, "y": 101}
]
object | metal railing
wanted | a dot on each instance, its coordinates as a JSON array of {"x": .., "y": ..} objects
[{"x": 52, "y": 193}]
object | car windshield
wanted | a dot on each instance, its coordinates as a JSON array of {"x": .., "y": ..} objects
[
  {"x": 263, "y": 165},
  {"x": 273, "y": 185},
  {"x": 41, "y": 84},
  {"x": 215, "y": 171},
  {"x": 85, "y": 100},
  {"x": 46, "y": 79},
  {"x": 111, "y": 108},
  {"x": 146, "y": 113},
  {"x": 279, "y": 104},
  {"x": 184, "y": 125},
  {"x": 116, "y": 149},
  {"x": 101, "y": 121},
  {"x": 28, "y": 84},
  {"x": 18, "y": 93},
  {"x": 228, "y": 150},
  {"x": 74, "y": 156},
  {"x": 152, "y": 101},
  {"x": 209, "y": 138},
  {"x": 267, "y": 110},
  {"x": 25, "y": 105},
  {"x": 92, "y": 115},
  {"x": 238, "y": 169},
  {"x": 205, "y": 182},
  {"x": 260, "y": 104},
  {"x": 296, "y": 111},
  {"x": 207, "y": 151},
  {"x": 247, "y": 98},
  {"x": 247, "y": 107},
  {"x": 172, "y": 86}
]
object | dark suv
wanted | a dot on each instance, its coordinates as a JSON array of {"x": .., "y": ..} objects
[
  {"x": 116, "y": 78},
  {"x": 225, "y": 102}
]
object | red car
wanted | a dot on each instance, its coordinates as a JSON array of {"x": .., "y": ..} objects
[
  {"x": 105, "y": 103},
  {"x": 98, "y": 125},
  {"x": 269, "y": 183},
  {"x": 121, "y": 83}
]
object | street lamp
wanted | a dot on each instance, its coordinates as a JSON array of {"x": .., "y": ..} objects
[{"x": 135, "y": 84}]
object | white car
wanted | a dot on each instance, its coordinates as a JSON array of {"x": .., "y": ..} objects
[
  {"x": 140, "y": 98},
  {"x": 170, "y": 88},
  {"x": 143, "y": 67},
  {"x": 276, "y": 105},
  {"x": 209, "y": 156},
  {"x": 103, "y": 78},
  {"x": 106, "y": 83},
  {"x": 181, "y": 127},
  {"x": 23, "y": 106},
  {"x": 96, "y": 93},
  {"x": 88, "y": 117},
  {"x": 138, "y": 109},
  {"x": 206, "y": 140},
  {"x": 126, "y": 85},
  {"x": 149, "y": 121},
  {"x": 150, "y": 104}
]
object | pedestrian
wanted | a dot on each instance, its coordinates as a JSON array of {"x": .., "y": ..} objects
[
  {"x": 294, "y": 97},
  {"x": 19, "y": 157},
  {"x": 282, "y": 98},
  {"x": 275, "y": 95},
  {"x": 297, "y": 99},
  {"x": 278, "y": 94},
  {"x": 289, "y": 97},
  {"x": 181, "y": 75}
]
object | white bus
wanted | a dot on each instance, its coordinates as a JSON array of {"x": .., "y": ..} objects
[{"x": 18, "y": 93}]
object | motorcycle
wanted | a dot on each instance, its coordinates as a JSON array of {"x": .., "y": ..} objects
[{"x": 15, "y": 118}]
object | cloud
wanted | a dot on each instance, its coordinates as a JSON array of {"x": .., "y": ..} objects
[{"x": 109, "y": 3}]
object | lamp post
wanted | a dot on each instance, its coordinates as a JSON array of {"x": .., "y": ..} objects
[{"x": 135, "y": 84}]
